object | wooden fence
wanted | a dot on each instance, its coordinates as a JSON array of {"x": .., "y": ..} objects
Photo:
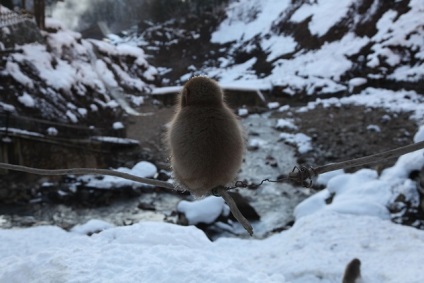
[{"x": 8, "y": 17}]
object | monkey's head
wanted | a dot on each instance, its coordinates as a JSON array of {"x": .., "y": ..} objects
[{"x": 201, "y": 91}]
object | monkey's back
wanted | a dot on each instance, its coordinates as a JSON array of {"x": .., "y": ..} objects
[{"x": 206, "y": 146}]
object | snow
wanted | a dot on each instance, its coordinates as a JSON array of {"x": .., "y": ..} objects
[
  {"x": 407, "y": 163},
  {"x": 105, "y": 74},
  {"x": 206, "y": 210},
  {"x": 364, "y": 192},
  {"x": 165, "y": 90},
  {"x": 315, "y": 63},
  {"x": 278, "y": 46},
  {"x": 255, "y": 143},
  {"x": 14, "y": 70},
  {"x": 300, "y": 140},
  {"x": 51, "y": 131},
  {"x": 251, "y": 25},
  {"x": 20, "y": 132},
  {"x": 356, "y": 82},
  {"x": 419, "y": 136},
  {"x": 239, "y": 16},
  {"x": 236, "y": 72},
  {"x": 142, "y": 169},
  {"x": 91, "y": 227},
  {"x": 323, "y": 179},
  {"x": 68, "y": 65},
  {"x": 305, "y": 69},
  {"x": 285, "y": 124},
  {"x": 316, "y": 249},
  {"x": 7, "y": 107},
  {"x": 71, "y": 116},
  {"x": 118, "y": 126},
  {"x": 391, "y": 36},
  {"x": 324, "y": 14},
  {"x": 26, "y": 100},
  {"x": 60, "y": 76},
  {"x": 82, "y": 111},
  {"x": 394, "y": 101},
  {"x": 54, "y": 23},
  {"x": 137, "y": 100},
  {"x": 273, "y": 105},
  {"x": 114, "y": 140},
  {"x": 133, "y": 51},
  {"x": 374, "y": 128},
  {"x": 243, "y": 112}
]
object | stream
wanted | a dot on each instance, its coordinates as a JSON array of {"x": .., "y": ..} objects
[{"x": 267, "y": 157}]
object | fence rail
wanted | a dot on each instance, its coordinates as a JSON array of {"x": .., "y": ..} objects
[
  {"x": 8, "y": 17},
  {"x": 53, "y": 129}
]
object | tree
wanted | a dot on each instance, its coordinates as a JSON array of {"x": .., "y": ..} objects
[
  {"x": 40, "y": 13},
  {"x": 7, "y": 4}
]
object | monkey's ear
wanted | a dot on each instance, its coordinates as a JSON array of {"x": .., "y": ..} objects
[{"x": 185, "y": 97}]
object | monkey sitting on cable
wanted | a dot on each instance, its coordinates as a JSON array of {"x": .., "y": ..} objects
[{"x": 205, "y": 138}]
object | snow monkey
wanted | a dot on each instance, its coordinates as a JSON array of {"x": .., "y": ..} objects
[
  {"x": 352, "y": 272},
  {"x": 205, "y": 138}
]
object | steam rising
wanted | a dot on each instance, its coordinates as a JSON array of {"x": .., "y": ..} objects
[{"x": 70, "y": 12}]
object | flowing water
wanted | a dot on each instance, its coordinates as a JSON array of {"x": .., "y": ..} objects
[{"x": 267, "y": 157}]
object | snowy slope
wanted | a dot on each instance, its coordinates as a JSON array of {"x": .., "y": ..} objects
[
  {"x": 320, "y": 41},
  {"x": 297, "y": 47},
  {"x": 71, "y": 79}
]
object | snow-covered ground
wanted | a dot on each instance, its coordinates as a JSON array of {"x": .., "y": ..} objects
[
  {"x": 348, "y": 219},
  {"x": 316, "y": 249}
]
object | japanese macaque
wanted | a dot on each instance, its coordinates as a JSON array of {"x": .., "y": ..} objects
[
  {"x": 205, "y": 138},
  {"x": 352, "y": 272}
]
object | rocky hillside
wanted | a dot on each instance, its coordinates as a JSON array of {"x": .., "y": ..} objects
[
  {"x": 295, "y": 47},
  {"x": 57, "y": 75}
]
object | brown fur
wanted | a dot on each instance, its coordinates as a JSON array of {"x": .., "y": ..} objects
[
  {"x": 352, "y": 271},
  {"x": 205, "y": 138}
]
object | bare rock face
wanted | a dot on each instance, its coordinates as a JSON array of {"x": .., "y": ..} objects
[
  {"x": 24, "y": 31},
  {"x": 374, "y": 40}
]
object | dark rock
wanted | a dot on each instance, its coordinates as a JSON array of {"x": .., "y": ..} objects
[
  {"x": 245, "y": 208},
  {"x": 147, "y": 206}
]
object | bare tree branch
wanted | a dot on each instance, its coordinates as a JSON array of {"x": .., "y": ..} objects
[{"x": 234, "y": 209}]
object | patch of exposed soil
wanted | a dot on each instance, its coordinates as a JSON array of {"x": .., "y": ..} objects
[
  {"x": 348, "y": 132},
  {"x": 150, "y": 130}
]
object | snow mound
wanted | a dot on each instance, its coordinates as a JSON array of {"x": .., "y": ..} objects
[
  {"x": 161, "y": 252},
  {"x": 206, "y": 210}
]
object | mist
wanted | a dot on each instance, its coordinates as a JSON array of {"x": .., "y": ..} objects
[{"x": 79, "y": 15}]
